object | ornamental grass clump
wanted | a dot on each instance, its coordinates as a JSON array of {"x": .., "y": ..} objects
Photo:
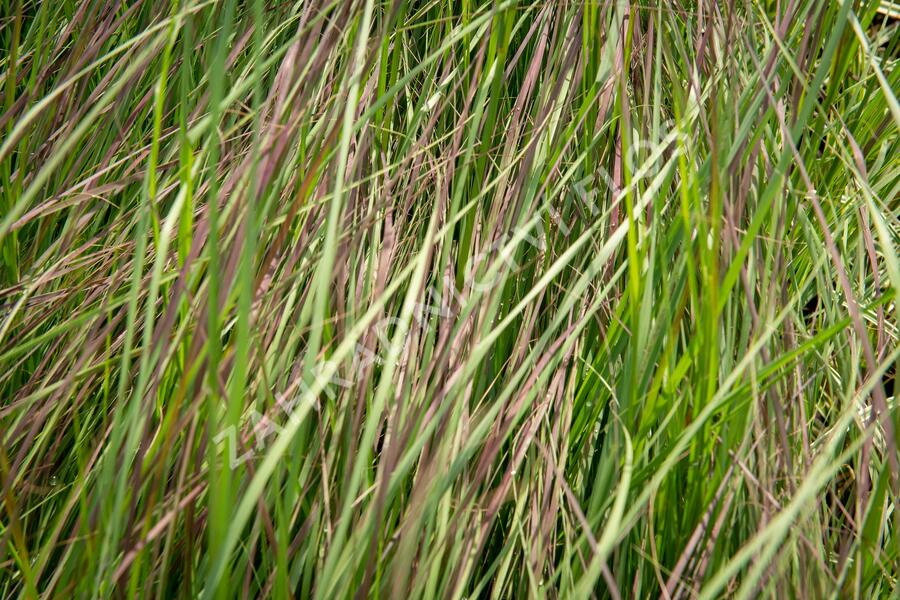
[{"x": 445, "y": 298}]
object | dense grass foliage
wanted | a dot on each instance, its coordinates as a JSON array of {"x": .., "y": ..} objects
[{"x": 446, "y": 298}]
